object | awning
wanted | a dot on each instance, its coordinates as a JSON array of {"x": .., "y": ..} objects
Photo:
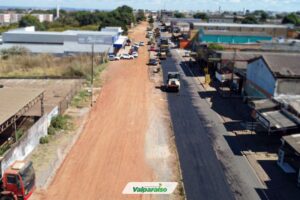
[{"x": 276, "y": 120}]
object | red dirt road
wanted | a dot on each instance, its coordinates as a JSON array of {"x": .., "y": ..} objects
[{"x": 110, "y": 151}]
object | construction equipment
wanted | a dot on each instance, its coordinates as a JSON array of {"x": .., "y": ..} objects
[
  {"x": 18, "y": 181},
  {"x": 163, "y": 55},
  {"x": 173, "y": 82}
]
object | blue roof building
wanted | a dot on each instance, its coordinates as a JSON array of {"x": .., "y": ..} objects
[{"x": 232, "y": 37}]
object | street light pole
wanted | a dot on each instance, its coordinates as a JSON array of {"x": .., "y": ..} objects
[{"x": 92, "y": 75}]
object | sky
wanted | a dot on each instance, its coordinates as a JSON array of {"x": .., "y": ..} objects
[{"x": 182, "y": 5}]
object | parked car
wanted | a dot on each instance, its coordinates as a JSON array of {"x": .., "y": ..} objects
[
  {"x": 142, "y": 44},
  {"x": 126, "y": 56},
  {"x": 113, "y": 57},
  {"x": 137, "y": 44},
  {"x": 153, "y": 62},
  {"x": 153, "y": 49},
  {"x": 135, "y": 54}
]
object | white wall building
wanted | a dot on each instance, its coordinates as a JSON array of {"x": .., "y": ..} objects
[
  {"x": 9, "y": 18},
  {"x": 71, "y": 41}
]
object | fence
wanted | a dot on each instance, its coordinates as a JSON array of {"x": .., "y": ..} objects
[
  {"x": 65, "y": 103},
  {"x": 26, "y": 144}
]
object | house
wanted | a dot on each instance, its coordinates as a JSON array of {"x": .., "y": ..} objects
[
  {"x": 289, "y": 156},
  {"x": 270, "y": 76}
]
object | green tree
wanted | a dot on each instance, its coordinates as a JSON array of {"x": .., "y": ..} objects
[
  {"x": 249, "y": 19},
  {"x": 179, "y": 15},
  {"x": 215, "y": 46},
  {"x": 140, "y": 16},
  {"x": 263, "y": 16},
  {"x": 151, "y": 20},
  {"x": 200, "y": 15},
  {"x": 29, "y": 20},
  {"x": 291, "y": 18}
]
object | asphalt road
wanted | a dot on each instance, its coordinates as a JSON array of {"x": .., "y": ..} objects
[{"x": 203, "y": 175}]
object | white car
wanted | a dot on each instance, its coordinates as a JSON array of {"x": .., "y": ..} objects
[
  {"x": 127, "y": 56},
  {"x": 136, "y": 44},
  {"x": 135, "y": 54},
  {"x": 142, "y": 44},
  {"x": 113, "y": 57}
]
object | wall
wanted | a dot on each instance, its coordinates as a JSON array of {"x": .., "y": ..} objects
[
  {"x": 26, "y": 144},
  {"x": 52, "y": 114},
  {"x": 288, "y": 86},
  {"x": 260, "y": 75}
]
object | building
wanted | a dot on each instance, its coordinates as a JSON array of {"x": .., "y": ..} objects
[
  {"x": 289, "y": 156},
  {"x": 117, "y": 30},
  {"x": 9, "y": 18},
  {"x": 277, "y": 115},
  {"x": 4, "y": 19},
  {"x": 44, "y": 17},
  {"x": 221, "y": 19},
  {"x": 289, "y": 45},
  {"x": 67, "y": 42},
  {"x": 273, "y": 75},
  {"x": 232, "y": 37},
  {"x": 269, "y": 29}
]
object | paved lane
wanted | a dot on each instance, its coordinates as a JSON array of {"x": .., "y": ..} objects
[{"x": 203, "y": 175}]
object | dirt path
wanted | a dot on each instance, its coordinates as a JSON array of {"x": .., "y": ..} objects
[{"x": 112, "y": 150}]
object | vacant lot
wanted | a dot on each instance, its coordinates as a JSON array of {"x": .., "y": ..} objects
[{"x": 19, "y": 63}]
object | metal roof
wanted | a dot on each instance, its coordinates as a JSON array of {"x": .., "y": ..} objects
[
  {"x": 293, "y": 141},
  {"x": 283, "y": 65},
  {"x": 12, "y": 100},
  {"x": 240, "y": 25},
  {"x": 263, "y": 104},
  {"x": 234, "y": 33},
  {"x": 248, "y": 55},
  {"x": 278, "y": 119}
]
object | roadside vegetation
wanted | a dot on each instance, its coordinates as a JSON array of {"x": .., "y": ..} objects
[
  {"x": 59, "y": 124},
  {"x": 18, "y": 62}
]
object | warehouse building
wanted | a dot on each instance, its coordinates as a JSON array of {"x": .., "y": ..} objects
[
  {"x": 269, "y": 29},
  {"x": 232, "y": 37},
  {"x": 67, "y": 42},
  {"x": 221, "y": 19}
]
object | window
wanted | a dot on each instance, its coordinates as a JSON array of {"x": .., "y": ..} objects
[{"x": 11, "y": 179}]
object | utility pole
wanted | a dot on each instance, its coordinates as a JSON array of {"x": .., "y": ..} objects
[{"x": 92, "y": 75}]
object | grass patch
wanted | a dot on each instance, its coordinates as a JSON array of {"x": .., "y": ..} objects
[
  {"x": 58, "y": 123},
  {"x": 82, "y": 99},
  {"x": 19, "y": 63}
]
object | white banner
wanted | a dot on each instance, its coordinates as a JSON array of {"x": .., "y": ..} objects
[{"x": 150, "y": 188}]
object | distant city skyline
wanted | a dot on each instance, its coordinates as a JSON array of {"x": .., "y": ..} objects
[{"x": 234, "y": 5}]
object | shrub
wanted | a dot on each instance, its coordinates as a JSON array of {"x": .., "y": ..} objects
[
  {"x": 51, "y": 130},
  {"x": 60, "y": 122},
  {"x": 44, "y": 139}
]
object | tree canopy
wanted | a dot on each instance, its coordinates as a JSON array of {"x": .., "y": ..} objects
[
  {"x": 179, "y": 15},
  {"x": 249, "y": 19},
  {"x": 140, "y": 16},
  {"x": 291, "y": 18},
  {"x": 200, "y": 15},
  {"x": 29, "y": 20}
]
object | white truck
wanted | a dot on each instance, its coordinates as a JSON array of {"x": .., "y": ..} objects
[{"x": 173, "y": 82}]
